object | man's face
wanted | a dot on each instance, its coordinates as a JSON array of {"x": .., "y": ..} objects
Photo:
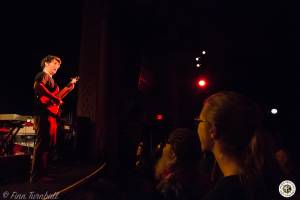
[
  {"x": 139, "y": 150},
  {"x": 52, "y": 66}
]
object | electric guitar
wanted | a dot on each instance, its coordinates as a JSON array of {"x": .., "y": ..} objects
[{"x": 52, "y": 106}]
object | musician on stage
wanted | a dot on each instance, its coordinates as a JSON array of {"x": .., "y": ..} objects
[{"x": 45, "y": 88}]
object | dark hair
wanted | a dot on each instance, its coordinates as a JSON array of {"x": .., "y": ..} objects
[
  {"x": 48, "y": 59},
  {"x": 185, "y": 143}
]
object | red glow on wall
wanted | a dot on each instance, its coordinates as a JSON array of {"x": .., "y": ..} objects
[{"x": 159, "y": 117}]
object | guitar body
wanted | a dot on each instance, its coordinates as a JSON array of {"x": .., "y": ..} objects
[
  {"x": 54, "y": 109},
  {"x": 52, "y": 106}
]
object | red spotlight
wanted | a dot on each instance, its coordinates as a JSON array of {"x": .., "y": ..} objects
[
  {"x": 201, "y": 83},
  {"x": 159, "y": 117}
]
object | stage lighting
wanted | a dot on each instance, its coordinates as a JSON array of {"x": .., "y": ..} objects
[
  {"x": 201, "y": 83},
  {"x": 159, "y": 117},
  {"x": 274, "y": 111}
]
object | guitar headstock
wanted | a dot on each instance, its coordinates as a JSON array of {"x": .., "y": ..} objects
[{"x": 74, "y": 79}]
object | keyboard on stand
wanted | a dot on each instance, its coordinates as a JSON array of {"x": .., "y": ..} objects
[{"x": 10, "y": 126}]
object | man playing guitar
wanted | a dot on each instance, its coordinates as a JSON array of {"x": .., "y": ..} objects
[{"x": 48, "y": 98}]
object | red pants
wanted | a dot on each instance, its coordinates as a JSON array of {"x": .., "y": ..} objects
[{"x": 46, "y": 128}]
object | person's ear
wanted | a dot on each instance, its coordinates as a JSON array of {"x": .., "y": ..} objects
[
  {"x": 172, "y": 153},
  {"x": 212, "y": 132},
  {"x": 173, "y": 156}
]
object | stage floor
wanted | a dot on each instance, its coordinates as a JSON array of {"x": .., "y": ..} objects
[{"x": 69, "y": 177}]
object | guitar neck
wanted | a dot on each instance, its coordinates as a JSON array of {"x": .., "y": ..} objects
[{"x": 65, "y": 91}]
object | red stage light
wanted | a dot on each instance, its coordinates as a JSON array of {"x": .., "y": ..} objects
[
  {"x": 159, "y": 117},
  {"x": 202, "y": 83}
]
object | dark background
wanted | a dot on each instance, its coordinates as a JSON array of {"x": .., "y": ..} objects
[{"x": 252, "y": 47}]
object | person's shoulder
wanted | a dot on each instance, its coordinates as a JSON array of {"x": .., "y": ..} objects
[
  {"x": 41, "y": 75},
  {"x": 230, "y": 183},
  {"x": 167, "y": 183},
  {"x": 227, "y": 188}
]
